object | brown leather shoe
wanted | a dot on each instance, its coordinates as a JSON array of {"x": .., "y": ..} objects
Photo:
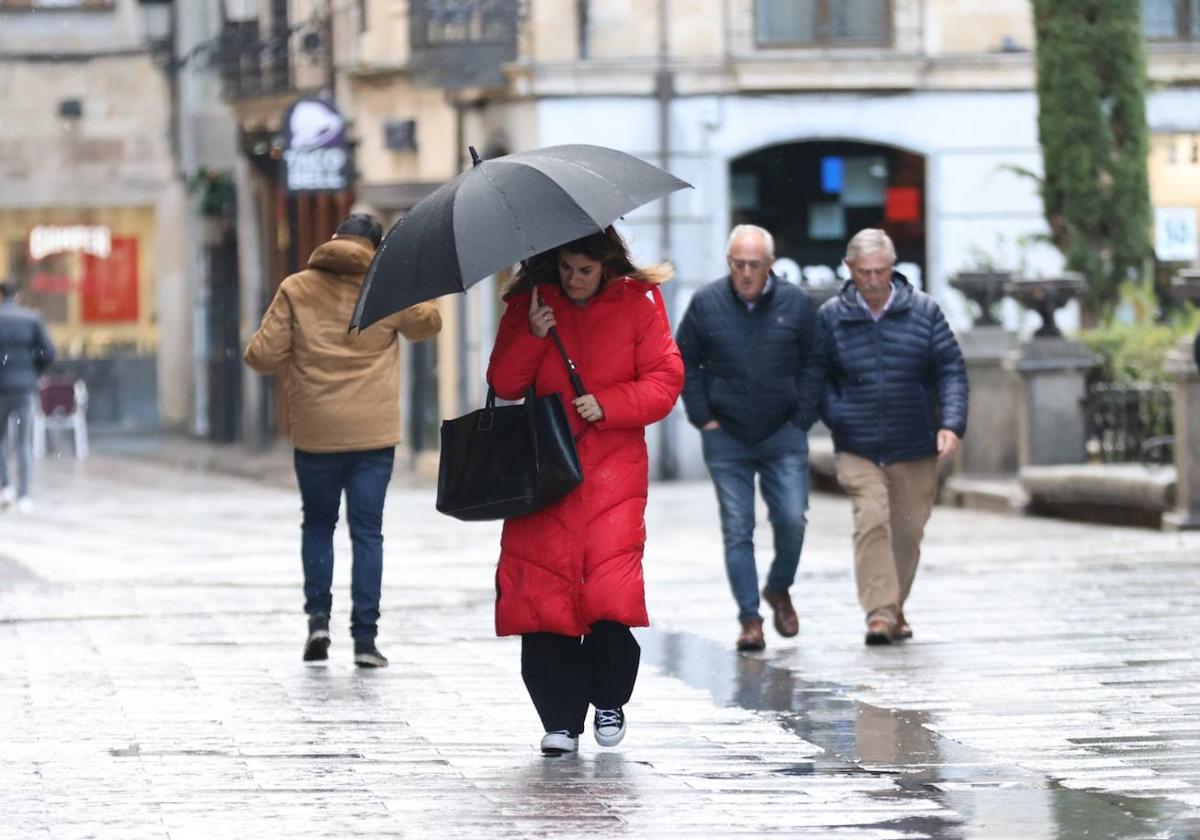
[
  {"x": 879, "y": 631},
  {"x": 902, "y": 630},
  {"x": 751, "y": 637},
  {"x": 787, "y": 624}
]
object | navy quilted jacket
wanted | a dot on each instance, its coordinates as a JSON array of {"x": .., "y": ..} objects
[
  {"x": 890, "y": 385},
  {"x": 751, "y": 371},
  {"x": 25, "y": 348}
]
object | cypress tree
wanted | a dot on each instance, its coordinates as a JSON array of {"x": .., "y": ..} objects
[{"x": 1095, "y": 142}]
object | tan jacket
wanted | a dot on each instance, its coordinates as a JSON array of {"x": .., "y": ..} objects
[{"x": 343, "y": 387}]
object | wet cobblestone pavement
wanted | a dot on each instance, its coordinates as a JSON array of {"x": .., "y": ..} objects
[{"x": 150, "y": 622}]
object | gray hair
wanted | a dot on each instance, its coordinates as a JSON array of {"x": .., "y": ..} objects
[
  {"x": 740, "y": 230},
  {"x": 869, "y": 241}
]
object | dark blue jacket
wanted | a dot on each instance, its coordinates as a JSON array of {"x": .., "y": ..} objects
[
  {"x": 751, "y": 371},
  {"x": 890, "y": 385},
  {"x": 25, "y": 348}
]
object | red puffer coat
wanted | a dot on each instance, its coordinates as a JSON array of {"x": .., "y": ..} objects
[{"x": 579, "y": 561}]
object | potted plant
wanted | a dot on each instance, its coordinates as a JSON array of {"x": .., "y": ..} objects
[{"x": 215, "y": 193}]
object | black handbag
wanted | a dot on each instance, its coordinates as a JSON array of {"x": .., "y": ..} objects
[{"x": 500, "y": 462}]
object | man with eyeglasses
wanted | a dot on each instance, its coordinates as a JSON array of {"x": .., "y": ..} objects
[{"x": 753, "y": 380}]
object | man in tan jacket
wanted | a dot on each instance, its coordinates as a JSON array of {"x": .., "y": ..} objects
[{"x": 343, "y": 391}]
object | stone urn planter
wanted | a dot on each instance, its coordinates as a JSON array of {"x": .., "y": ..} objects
[
  {"x": 984, "y": 289},
  {"x": 1045, "y": 296}
]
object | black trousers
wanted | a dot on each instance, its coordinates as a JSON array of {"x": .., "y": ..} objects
[{"x": 566, "y": 673}]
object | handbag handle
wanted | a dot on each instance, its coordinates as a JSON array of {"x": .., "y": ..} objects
[{"x": 576, "y": 382}]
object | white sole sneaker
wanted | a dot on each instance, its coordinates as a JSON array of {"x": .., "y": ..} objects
[
  {"x": 609, "y": 727},
  {"x": 559, "y": 743}
]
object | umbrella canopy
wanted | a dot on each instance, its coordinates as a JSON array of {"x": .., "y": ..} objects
[{"x": 499, "y": 212}]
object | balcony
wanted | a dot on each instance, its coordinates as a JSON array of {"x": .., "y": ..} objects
[
  {"x": 462, "y": 43},
  {"x": 253, "y": 63}
]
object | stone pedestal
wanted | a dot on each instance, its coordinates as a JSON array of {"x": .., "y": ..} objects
[
  {"x": 1052, "y": 383},
  {"x": 1181, "y": 368},
  {"x": 990, "y": 447}
]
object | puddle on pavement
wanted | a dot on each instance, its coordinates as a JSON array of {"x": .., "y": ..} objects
[{"x": 988, "y": 799}]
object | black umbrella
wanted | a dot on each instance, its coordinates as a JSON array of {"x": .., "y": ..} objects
[{"x": 499, "y": 212}]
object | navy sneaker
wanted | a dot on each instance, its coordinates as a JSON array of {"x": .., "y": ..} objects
[
  {"x": 609, "y": 726},
  {"x": 316, "y": 648},
  {"x": 366, "y": 655}
]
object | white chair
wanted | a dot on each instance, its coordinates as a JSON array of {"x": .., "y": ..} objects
[{"x": 61, "y": 404}]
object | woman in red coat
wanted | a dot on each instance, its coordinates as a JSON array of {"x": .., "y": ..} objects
[{"x": 569, "y": 581}]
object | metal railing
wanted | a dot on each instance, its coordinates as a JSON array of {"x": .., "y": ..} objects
[{"x": 1129, "y": 423}]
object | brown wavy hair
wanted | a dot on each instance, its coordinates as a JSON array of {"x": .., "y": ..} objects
[{"x": 606, "y": 247}]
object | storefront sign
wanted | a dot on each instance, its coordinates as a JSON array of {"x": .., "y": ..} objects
[
  {"x": 315, "y": 154},
  {"x": 110, "y": 286},
  {"x": 1175, "y": 236},
  {"x": 45, "y": 240}
]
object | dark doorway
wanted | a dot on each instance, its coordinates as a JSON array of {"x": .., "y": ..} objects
[
  {"x": 423, "y": 417},
  {"x": 224, "y": 341},
  {"x": 815, "y": 195}
]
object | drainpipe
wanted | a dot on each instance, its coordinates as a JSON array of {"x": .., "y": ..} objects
[
  {"x": 583, "y": 14},
  {"x": 668, "y": 464},
  {"x": 327, "y": 37}
]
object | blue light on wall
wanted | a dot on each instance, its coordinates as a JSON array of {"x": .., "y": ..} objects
[{"x": 832, "y": 174}]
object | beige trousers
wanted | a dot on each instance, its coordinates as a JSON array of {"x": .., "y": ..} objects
[{"x": 891, "y": 506}]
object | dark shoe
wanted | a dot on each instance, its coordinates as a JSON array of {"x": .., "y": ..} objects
[
  {"x": 608, "y": 726},
  {"x": 787, "y": 624},
  {"x": 902, "y": 630},
  {"x": 879, "y": 631},
  {"x": 366, "y": 655},
  {"x": 751, "y": 637},
  {"x": 316, "y": 648}
]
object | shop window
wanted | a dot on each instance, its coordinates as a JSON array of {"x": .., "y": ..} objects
[
  {"x": 1171, "y": 20},
  {"x": 805, "y": 23}
]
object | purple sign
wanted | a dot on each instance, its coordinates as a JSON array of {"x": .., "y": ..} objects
[{"x": 315, "y": 155}]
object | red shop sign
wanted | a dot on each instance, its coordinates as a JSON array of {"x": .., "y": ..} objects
[{"x": 110, "y": 286}]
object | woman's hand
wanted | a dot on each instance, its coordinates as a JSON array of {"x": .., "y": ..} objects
[
  {"x": 541, "y": 317},
  {"x": 588, "y": 408}
]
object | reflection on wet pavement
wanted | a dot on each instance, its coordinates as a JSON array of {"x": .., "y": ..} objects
[
  {"x": 982, "y": 797},
  {"x": 149, "y": 621}
]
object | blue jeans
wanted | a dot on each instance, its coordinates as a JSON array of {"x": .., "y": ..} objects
[
  {"x": 781, "y": 462},
  {"x": 364, "y": 477},
  {"x": 18, "y": 407}
]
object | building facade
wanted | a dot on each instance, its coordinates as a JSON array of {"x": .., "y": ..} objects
[
  {"x": 153, "y": 225},
  {"x": 91, "y": 207},
  {"x": 813, "y": 118}
]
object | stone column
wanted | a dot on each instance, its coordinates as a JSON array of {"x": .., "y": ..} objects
[
  {"x": 990, "y": 447},
  {"x": 1052, "y": 373},
  {"x": 1181, "y": 368}
]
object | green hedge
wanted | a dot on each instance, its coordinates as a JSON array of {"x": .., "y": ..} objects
[{"x": 1136, "y": 352}]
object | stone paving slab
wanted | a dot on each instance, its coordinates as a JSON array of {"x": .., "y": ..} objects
[{"x": 150, "y": 618}]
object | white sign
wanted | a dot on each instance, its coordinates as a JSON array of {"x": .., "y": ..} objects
[
  {"x": 1175, "y": 234},
  {"x": 316, "y": 169},
  {"x": 45, "y": 240}
]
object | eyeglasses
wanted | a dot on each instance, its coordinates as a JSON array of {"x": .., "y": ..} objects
[{"x": 738, "y": 265}]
